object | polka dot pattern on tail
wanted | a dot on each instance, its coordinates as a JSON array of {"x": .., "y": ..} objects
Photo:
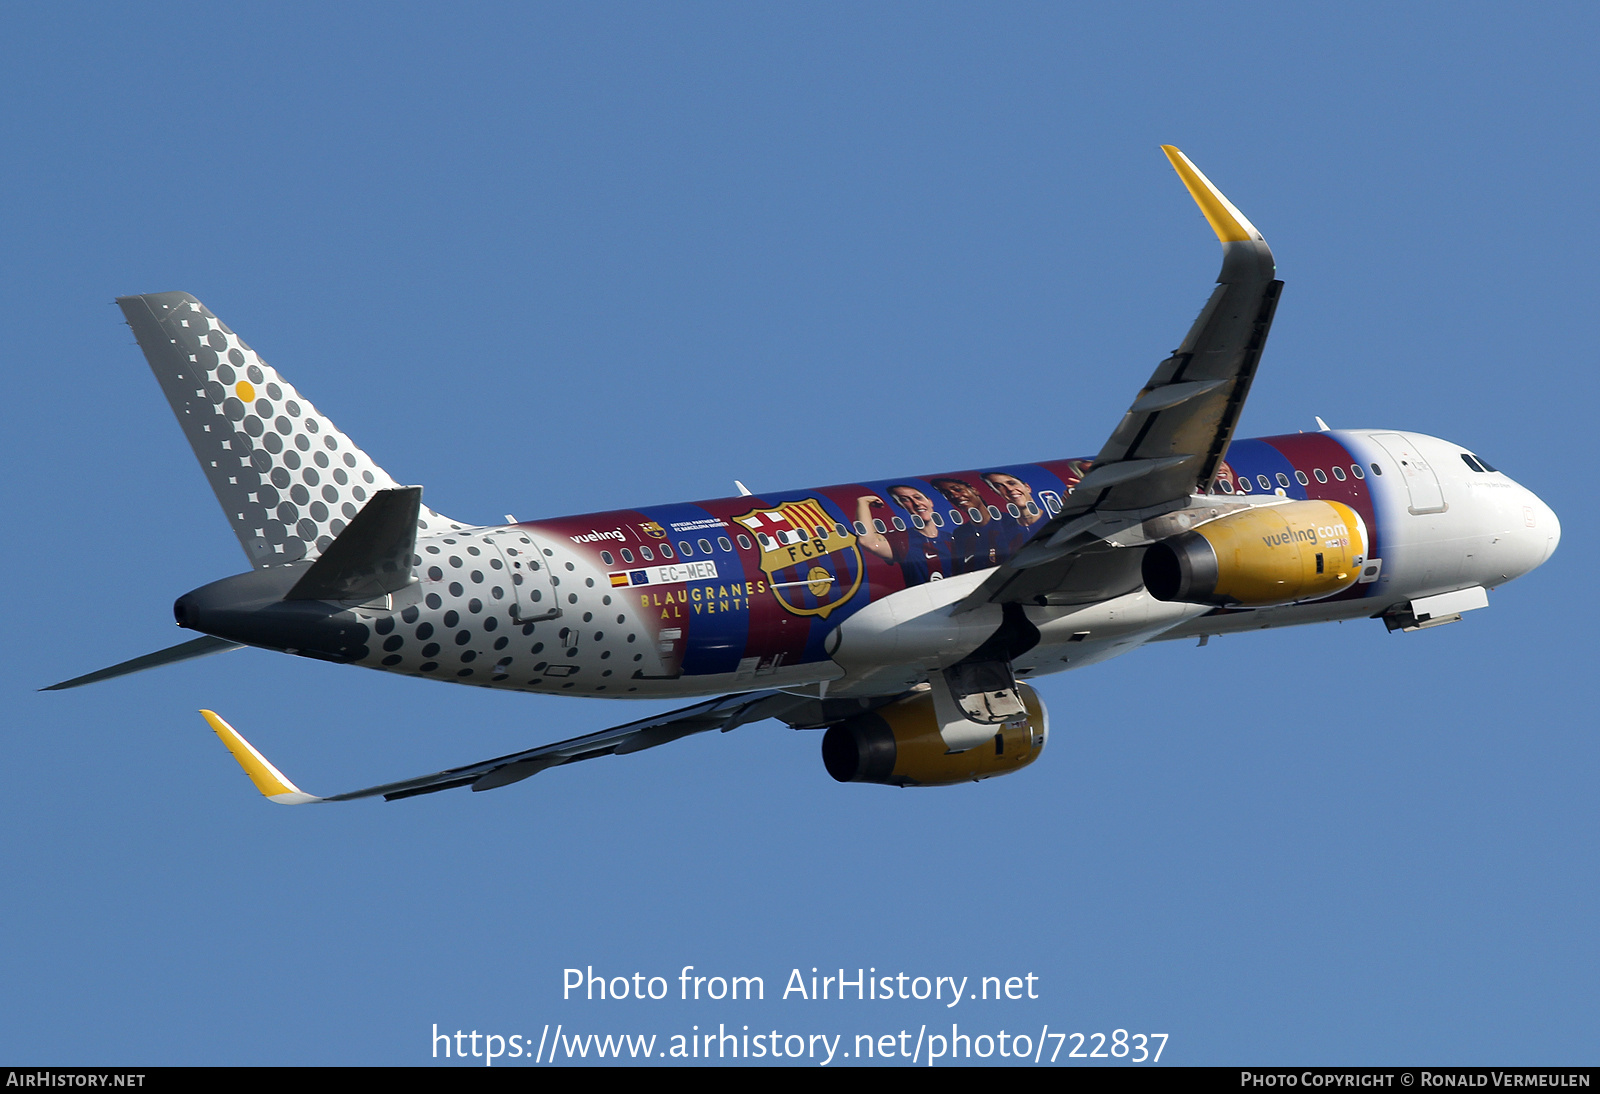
[{"x": 249, "y": 428}]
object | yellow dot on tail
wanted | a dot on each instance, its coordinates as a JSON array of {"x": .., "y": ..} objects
[{"x": 246, "y": 392}]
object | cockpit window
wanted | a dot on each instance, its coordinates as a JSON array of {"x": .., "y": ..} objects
[{"x": 1466, "y": 458}]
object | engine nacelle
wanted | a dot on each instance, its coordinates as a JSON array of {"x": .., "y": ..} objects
[
  {"x": 900, "y": 745},
  {"x": 1276, "y": 554}
]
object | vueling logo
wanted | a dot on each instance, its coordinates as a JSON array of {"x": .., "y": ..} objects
[{"x": 1331, "y": 535}]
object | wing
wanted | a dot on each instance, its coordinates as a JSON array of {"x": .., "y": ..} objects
[
  {"x": 726, "y": 713},
  {"x": 1171, "y": 441}
]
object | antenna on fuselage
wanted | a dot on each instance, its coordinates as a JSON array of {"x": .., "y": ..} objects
[
  {"x": 1322, "y": 426},
  {"x": 744, "y": 491}
]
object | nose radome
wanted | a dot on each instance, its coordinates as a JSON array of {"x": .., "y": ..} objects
[{"x": 1550, "y": 524}]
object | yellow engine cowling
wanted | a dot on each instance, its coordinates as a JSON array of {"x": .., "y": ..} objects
[
  {"x": 1275, "y": 554},
  {"x": 900, "y": 745}
]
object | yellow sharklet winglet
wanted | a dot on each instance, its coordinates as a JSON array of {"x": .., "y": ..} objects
[
  {"x": 1229, "y": 224},
  {"x": 268, "y": 779}
]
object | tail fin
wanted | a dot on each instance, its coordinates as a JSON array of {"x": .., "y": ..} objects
[{"x": 287, "y": 479}]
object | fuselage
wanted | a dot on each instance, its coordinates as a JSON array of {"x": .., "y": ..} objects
[{"x": 851, "y": 587}]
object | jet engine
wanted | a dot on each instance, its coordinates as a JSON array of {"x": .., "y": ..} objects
[
  {"x": 900, "y": 745},
  {"x": 1274, "y": 554}
]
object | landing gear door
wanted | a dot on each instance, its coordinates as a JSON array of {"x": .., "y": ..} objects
[
  {"x": 1423, "y": 483},
  {"x": 535, "y": 596}
]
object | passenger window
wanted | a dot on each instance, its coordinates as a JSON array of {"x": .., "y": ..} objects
[
  {"x": 1264, "y": 482},
  {"x": 880, "y": 526},
  {"x": 1225, "y": 485},
  {"x": 899, "y": 525},
  {"x": 744, "y": 541},
  {"x": 644, "y": 553},
  {"x": 1300, "y": 477},
  {"x": 722, "y": 541},
  {"x": 861, "y": 529},
  {"x": 976, "y": 514},
  {"x": 994, "y": 514},
  {"x": 627, "y": 555},
  {"x": 1013, "y": 510},
  {"x": 955, "y": 517},
  {"x": 705, "y": 547},
  {"x": 938, "y": 521},
  {"x": 1321, "y": 477},
  {"x": 1283, "y": 480},
  {"x": 605, "y": 556},
  {"x": 1338, "y": 472},
  {"x": 918, "y": 522},
  {"x": 1355, "y": 469},
  {"x": 684, "y": 550},
  {"x": 1033, "y": 510},
  {"x": 1244, "y": 484},
  {"x": 1376, "y": 470},
  {"x": 840, "y": 530},
  {"x": 666, "y": 550}
]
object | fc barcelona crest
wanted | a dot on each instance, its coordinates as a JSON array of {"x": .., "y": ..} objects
[{"x": 811, "y": 566}]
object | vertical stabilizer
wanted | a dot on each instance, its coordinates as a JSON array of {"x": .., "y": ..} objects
[{"x": 288, "y": 479}]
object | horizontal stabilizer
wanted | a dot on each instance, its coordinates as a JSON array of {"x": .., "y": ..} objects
[
  {"x": 188, "y": 651},
  {"x": 370, "y": 557}
]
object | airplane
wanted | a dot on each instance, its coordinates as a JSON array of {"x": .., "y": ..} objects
[{"x": 902, "y": 617}]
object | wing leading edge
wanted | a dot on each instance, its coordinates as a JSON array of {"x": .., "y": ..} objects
[{"x": 1172, "y": 440}]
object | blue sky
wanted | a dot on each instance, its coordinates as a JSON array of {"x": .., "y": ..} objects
[{"x": 548, "y": 260}]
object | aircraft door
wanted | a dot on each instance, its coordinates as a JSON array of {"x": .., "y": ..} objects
[
  {"x": 535, "y": 596},
  {"x": 1427, "y": 496}
]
